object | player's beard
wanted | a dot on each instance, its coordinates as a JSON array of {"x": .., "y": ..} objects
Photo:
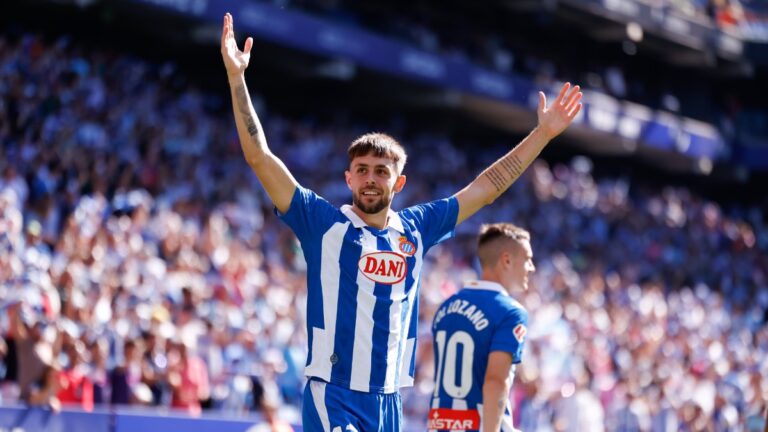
[{"x": 383, "y": 202}]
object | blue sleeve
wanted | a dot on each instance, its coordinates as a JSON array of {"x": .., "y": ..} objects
[
  {"x": 510, "y": 334},
  {"x": 309, "y": 215},
  {"x": 435, "y": 220}
]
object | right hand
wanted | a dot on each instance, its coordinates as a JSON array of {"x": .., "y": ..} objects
[
  {"x": 553, "y": 120},
  {"x": 235, "y": 61}
]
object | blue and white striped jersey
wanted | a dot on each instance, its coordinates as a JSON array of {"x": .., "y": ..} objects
[
  {"x": 363, "y": 288},
  {"x": 467, "y": 327}
]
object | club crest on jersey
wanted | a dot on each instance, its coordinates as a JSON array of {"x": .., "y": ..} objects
[
  {"x": 383, "y": 267},
  {"x": 519, "y": 332},
  {"x": 407, "y": 247}
]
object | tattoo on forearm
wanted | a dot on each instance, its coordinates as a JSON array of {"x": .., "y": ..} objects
[
  {"x": 501, "y": 404},
  {"x": 513, "y": 165},
  {"x": 496, "y": 178},
  {"x": 245, "y": 110}
]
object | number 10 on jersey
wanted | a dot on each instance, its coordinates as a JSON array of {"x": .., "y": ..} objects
[{"x": 455, "y": 385}]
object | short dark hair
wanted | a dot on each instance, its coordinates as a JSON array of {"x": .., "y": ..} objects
[
  {"x": 495, "y": 233},
  {"x": 379, "y": 145}
]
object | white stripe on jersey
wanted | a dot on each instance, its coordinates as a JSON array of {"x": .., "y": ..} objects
[
  {"x": 323, "y": 339},
  {"x": 408, "y": 349},
  {"x": 363, "y": 343},
  {"x": 395, "y": 322},
  {"x": 405, "y": 367},
  {"x": 317, "y": 389},
  {"x": 459, "y": 404}
]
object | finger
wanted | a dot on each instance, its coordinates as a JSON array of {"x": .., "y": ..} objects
[
  {"x": 571, "y": 94},
  {"x": 542, "y": 101},
  {"x": 573, "y": 99},
  {"x": 230, "y": 25},
  {"x": 563, "y": 92},
  {"x": 248, "y": 46},
  {"x": 574, "y": 111},
  {"x": 224, "y": 31}
]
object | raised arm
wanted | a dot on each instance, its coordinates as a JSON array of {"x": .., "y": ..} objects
[
  {"x": 273, "y": 174},
  {"x": 498, "y": 177},
  {"x": 498, "y": 381}
]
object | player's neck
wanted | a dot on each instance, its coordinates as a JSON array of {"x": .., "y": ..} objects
[
  {"x": 376, "y": 220},
  {"x": 491, "y": 276}
]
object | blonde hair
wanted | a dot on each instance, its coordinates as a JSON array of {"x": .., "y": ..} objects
[{"x": 493, "y": 236}]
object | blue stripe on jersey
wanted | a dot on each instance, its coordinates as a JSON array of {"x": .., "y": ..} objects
[
  {"x": 381, "y": 319},
  {"x": 315, "y": 318},
  {"x": 413, "y": 323},
  {"x": 342, "y": 371},
  {"x": 404, "y": 330}
]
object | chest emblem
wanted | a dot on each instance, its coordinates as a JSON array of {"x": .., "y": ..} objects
[{"x": 407, "y": 247}]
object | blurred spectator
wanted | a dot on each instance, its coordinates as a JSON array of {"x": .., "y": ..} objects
[
  {"x": 154, "y": 366},
  {"x": 187, "y": 377},
  {"x": 75, "y": 386},
  {"x": 98, "y": 372},
  {"x": 35, "y": 355},
  {"x": 125, "y": 379},
  {"x": 43, "y": 392}
]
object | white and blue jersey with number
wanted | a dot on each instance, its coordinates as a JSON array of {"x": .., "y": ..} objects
[
  {"x": 363, "y": 286},
  {"x": 467, "y": 327}
]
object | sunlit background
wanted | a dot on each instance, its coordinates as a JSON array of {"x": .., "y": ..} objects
[{"x": 145, "y": 283}]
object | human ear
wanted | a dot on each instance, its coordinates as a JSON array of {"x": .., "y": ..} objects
[{"x": 400, "y": 183}]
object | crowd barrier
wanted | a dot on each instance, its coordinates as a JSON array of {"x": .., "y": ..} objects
[{"x": 36, "y": 419}]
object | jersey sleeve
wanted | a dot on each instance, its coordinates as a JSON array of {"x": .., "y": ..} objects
[
  {"x": 308, "y": 215},
  {"x": 435, "y": 220},
  {"x": 510, "y": 334}
]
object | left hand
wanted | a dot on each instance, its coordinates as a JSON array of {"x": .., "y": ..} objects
[
  {"x": 235, "y": 61},
  {"x": 555, "y": 119}
]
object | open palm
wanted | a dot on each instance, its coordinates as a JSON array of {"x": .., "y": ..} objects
[
  {"x": 235, "y": 61},
  {"x": 555, "y": 119}
]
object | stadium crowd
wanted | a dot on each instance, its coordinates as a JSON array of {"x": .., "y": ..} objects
[
  {"x": 489, "y": 37},
  {"x": 745, "y": 18},
  {"x": 140, "y": 263}
]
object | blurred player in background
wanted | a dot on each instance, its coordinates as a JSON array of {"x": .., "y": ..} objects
[
  {"x": 364, "y": 260},
  {"x": 479, "y": 334}
]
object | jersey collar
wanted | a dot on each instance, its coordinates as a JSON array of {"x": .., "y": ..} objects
[
  {"x": 485, "y": 285},
  {"x": 393, "y": 219}
]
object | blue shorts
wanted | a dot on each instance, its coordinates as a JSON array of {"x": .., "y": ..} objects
[{"x": 331, "y": 408}]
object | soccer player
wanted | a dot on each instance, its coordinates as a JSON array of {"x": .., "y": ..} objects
[
  {"x": 479, "y": 334},
  {"x": 363, "y": 260}
]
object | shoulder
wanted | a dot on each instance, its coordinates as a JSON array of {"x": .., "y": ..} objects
[
  {"x": 429, "y": 209},
  {"x": 308, "y": 201},
  {"x": 441, "y": 203},
  {"x": 311, "y": 197},
  {"x": 449, "y": 300},
  {"x": 511, "y": 307}
]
